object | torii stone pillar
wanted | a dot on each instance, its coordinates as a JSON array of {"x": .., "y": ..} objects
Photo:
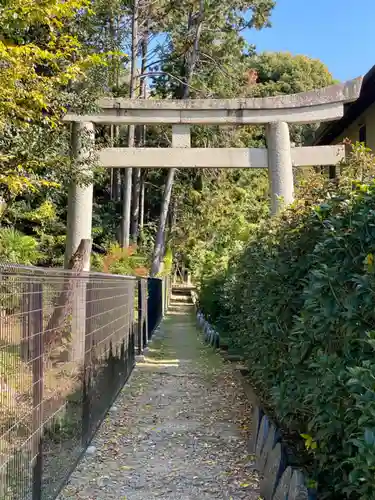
[
  {"x": 79, "y": 224},
  {"x": 80, "y": 197},
  {"x": 280, "y": 167}
]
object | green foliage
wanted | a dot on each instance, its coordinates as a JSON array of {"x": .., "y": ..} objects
[
  {"x": 299, "y": 299},
  {"x": 284, "y": 73},
  {"x": 77, "y": 52},
  {"x": 168, "y": 261},
  {"x": 125, "y": 261},
  {"x": 48, "y": 67},
  {"x": 276, "y": 73},
  {"x": 299, "y": 302},
  {"x": 218, "y": 211},
  {"x": 40, "y": 59},
  {"x": 222, "y": 53},
  {"x": 217, "y": 218},
  {"x": 17, "y": 248}
]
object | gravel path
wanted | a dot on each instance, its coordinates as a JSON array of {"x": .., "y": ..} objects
[{"x": 177, "y": 430}]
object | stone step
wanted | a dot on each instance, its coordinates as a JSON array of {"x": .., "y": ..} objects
[
  {"x": 182, "y": 298},
  {"x": 181, "y": 304},
  {"x": 181, "y": 295},
  {"x": 223, "y": 346},
  {"x": 181, "y": 307},
  {"x": 233, "y": 357},
  {"x": 183, "y": 288}
]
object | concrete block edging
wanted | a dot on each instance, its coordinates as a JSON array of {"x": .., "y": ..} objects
[{"x": 280, "y": 480}]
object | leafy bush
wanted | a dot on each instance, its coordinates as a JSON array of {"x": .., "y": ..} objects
[
  {"x": 300, "y": 304},
  {"x": 167, "y": 263},
  {"x": 217, "y": 218},
  {"x": 124, "y": 261},
  {"x": 17, "y": 248}
]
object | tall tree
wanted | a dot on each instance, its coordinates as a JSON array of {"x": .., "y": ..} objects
[
  {"x": 141, "y": 133},
  {"x": 284, "y": 73},
  {"x": 208, "y": 24},
  {"x": 127, "y": 178},
  {"x": 218, "y": 214},
  {"x": 195, "y": 22},
  {"x": 40, "y": 59}
]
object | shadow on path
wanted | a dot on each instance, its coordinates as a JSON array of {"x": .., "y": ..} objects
[{"x": 176, "y": 431}]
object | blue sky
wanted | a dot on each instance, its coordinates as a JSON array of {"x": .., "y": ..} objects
[{"x": 341, "y": 33}]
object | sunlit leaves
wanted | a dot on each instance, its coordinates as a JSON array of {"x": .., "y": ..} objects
[
  {"x": 38, "y": 56},
  {"x": 299, "y": 304}
]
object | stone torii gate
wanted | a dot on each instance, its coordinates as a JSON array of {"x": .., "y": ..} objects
[{"x": 279, "y": 157}]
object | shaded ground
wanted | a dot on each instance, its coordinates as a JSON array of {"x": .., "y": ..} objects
[{"x": 176, "y": 431}]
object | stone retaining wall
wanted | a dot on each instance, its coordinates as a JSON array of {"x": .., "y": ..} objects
[{"x": 280, "y": 480}]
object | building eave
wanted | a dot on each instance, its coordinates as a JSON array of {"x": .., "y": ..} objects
[{"x": 328, "y": 132}]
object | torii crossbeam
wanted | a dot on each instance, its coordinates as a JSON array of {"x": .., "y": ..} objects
[{"x": 279, "y": 157}]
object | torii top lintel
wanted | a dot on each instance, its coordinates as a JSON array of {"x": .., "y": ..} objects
[{"x": 320, "y": 105}]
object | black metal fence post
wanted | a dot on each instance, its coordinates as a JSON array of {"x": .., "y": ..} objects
[
  {"x": 36, "y": 331},
  {"x": 129, "y": 325},
  {"x": 150, "y": 305},
  {"x": 170, "y": 290},
  {"x": 160, "y": 302},
  {"x": 164, "y": 295},
  {"x": 26, "y": 348},
  {"x": 132, "y": 328},
  {"x": 86, "y": 375},
  {"x": 145, "y": 311},
  {"x": 166, "y": 292},
  {"x": 140, "y": 319},
  {"x": 155, "y": 303},
  {"x": 164, "y": 289}
]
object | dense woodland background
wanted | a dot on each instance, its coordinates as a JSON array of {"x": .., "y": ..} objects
[
  {"x": 68, "y": 56},
  {"x": 294, "y": 295}
]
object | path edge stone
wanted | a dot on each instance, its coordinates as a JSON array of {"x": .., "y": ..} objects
[{"x": 286, "y": 480}]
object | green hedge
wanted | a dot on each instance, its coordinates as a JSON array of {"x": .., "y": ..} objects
[{"x": 300, "y": 304}]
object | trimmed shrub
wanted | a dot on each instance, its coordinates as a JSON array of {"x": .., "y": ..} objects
[{"x": 300, "y": 302}]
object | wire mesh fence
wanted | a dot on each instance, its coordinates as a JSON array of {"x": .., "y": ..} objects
[{"x": 66, "y": 349}]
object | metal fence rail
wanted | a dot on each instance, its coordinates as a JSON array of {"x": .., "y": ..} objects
[
  {"x": 153, "y": 301},
  {"x": 66, "y": 349},
  {"x": 154, "y": 307},
  {"x": 142, "y": 323}
]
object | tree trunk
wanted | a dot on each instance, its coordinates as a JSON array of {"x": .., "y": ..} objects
[
  {"x": 64, "y": 301},
  {"x": 126, "y": 207},
  {"x": 135, "y": 203},
  {"x": 127, "y": 178},
  {"x": 191, "y": 58},
  {"x": 142, "y": 204},
  {"x": 141, "y": 134},
  {"x": 159, "y": 240},
  {"x": 115, "y": 172},
  {"x": 115, "y": 187},
  {"x": 172, "y": 217}
]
